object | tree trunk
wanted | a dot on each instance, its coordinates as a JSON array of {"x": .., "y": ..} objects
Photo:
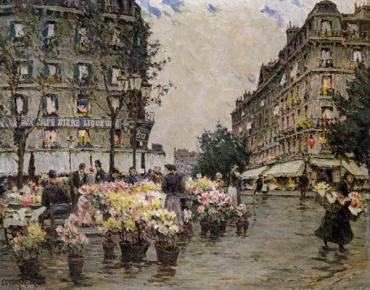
[
  {"x": 134, "y": 145},
  {"x": 21, "y": 150},
  {"x": 368, "y": 166},
  {"x": 112, "y": 145}
]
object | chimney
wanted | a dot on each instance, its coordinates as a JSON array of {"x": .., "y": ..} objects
[{"x": 291, "y": 32}]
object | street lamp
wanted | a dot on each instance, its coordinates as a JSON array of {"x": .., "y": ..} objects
[{"x": 70, "y": 142}]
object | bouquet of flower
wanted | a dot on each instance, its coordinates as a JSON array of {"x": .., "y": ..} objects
[
  {"x": 214, "y": 207},
  {"x": 27, "y": 242},
  {"x": 72, "y": 239},
  {"x": 322, "y": 188},
  {"x": 357, "y": 204},
  {"x": 200, "y": 186},
  {"x": 161, "y": 224},
  {"x": 241, "y": 212},
  {"x": 145, "y": 186}
]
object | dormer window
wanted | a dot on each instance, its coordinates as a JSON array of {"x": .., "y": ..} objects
[{"x": 326, "y": 27}]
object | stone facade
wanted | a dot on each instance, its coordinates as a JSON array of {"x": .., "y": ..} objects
[
  {"x": 185, "y": 161},
  {"x": 286, "y": 116},
  {"x": 68, "y": 112}
]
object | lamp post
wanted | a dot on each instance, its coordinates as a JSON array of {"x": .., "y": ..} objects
[{"x": 70, "y": 141}]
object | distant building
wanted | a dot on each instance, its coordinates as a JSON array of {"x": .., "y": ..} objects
[
  {"x": 285, "y": 118},
  {"x": 185, "y": 160}
]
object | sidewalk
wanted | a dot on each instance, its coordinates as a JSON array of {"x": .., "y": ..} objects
[{"x": 295, "y": 193}]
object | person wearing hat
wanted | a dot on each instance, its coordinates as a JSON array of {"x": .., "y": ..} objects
[
  {"x": 173, "y": 186},
  {"x": 76, "y": 180},
  {"x": 133, "y": 177},
  {"x": 53, "y": 194},
  {"x": 100, "y": 173}
]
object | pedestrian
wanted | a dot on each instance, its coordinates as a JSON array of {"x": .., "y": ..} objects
[
  {"x": 54, "y": 197},
  {"x": 100, "y": 173},
  {"x": 76, "y": 180},
  {"x": 259, "y": 184},
  {"x": 158, "y": 176},
  {"x": 133, "y": 176},
  {"x": 150, "y": 175},
  {"x": 303, "y": 183},
  {"x": 335, "y": 226},
  {"x": 173, "y": 186},
  {"x": 265, "y": 186},
  {"x": 220, "y": 182},
  {"x": 234, "y": 188}
]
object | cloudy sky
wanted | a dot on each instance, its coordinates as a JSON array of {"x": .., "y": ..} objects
[{"x": 216, "y": 47}]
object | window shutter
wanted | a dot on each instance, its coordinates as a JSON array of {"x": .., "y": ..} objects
[
  {"x": 46, "y": 70},
  {"x": 12, "y": 30},
  {"x": 77, "y": 35},
  {"x": 110, "y": 76},
  {"x": 12, "y": 105},
  {"x": 43, "y": 104},
  {"x": 56, "y": 102},
  {"x": 45, "y": 31},
  {"x": 30, "y": 70},
  {"x": 25, "y": 106},
  {"x": 75, "y": 72}
]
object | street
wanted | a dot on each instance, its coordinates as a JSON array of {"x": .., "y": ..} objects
[{"x": 279, "y": 252}]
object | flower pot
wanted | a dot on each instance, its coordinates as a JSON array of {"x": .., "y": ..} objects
[
  {"x": 167, "y": 256},
  {"x": 242, "y": 227},
  {"x": 30, "y": 270},
  {"x": 187, "y": 230},
  {"x": 245, "y": 227},
  {"x": 108, "y": 247},
  {"x": 223, "y": 228},
  {"x": 214, "y": 230},
  {"x": 75, "y": 264},
  {"x": 204, "y": 227},
  {"x": 134, "y": 252}
]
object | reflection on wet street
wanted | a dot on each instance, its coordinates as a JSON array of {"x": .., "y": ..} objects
[{"x": 279, "y": 252}]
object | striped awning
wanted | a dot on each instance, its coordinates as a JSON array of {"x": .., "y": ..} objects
[
  {"x": 288, "y": 169},
  {"x": 254, "y": 173},
  {"x": 357, "y": 171},
  {"x": 325, "y": 163}
]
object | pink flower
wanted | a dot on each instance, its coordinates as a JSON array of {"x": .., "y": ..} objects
[{"x": 201, "y": 209}]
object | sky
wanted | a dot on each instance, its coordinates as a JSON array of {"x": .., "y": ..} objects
[{"x": 216, "y": 49}]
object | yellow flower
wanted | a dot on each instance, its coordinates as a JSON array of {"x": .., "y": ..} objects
[{"x": 156, "y": 203}]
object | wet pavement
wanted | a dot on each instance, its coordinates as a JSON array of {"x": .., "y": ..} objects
[{"x": 279, "y": 252}]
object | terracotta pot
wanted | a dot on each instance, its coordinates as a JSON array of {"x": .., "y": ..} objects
[
  {"x": 204, "y": 227},
  {"x": 245, "y": 227},
  {"x": 223, "y": 228},
  {"x": 134, "y": 252},
  {"x": 75, "y": 264},
  {"x": 108, "y": 247},
  {"x": 30, "y": 270},
  {"x": 242, "y": 227},
  {"x": 167, "y": 256},
  {"x": 214, "y": 230},
  {"x": 187, "y": 230}
]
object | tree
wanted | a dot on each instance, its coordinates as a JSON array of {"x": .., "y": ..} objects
[
  {"x": 351, "y": 134},
  {"x": 13, "y": 48},
  {"x": 219, "y": 151},
  {"x": 123, "y": 47}
]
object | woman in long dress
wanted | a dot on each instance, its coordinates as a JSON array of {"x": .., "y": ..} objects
[
  {"x": 173, "y": 185},
  {"x": 335, "y": 227}
]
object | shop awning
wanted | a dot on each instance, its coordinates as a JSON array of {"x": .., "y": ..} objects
[
  {"x": 288, "y": 169},
  {"x": 325, "y": 163},
  {"x": 253, "y": 173},
  {"x": 357, "y": 171}
]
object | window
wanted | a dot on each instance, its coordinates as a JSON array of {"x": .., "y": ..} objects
[
  {"x": 306, "y": 111},
  {"x": 325, "y": 27},
  {"x": 72, "y": 3},
  {"x": 326, "y": 59},
  {"x": 25, "y": 70},
  {"x": 357, "y": 55},
  {"x": 326, "y": 85},
  {"x": 117, "y": 137},
  {"x": 327, "y": 113},
  {"x": 83, "y": 106},
  {"x": 353, "y": 30},
  {"x": 83, "y": 73},
  {"x": 299, "y": 113},
  {"x": 82, "y": 39},
  {"x": 83, "y": 138},
  {"x": 52, "y": 72},
  {"x": 49, "y": 30},
  {"x": 49, "y": 138},
  {"x": 116, "y": 38},
  {"x": 49, "y": 105},
  {"x": 287, "y": 122},
  {"x": 17, "y": 32},
  {"x": 19, "y": 105},
  {"x": 114, "y": 76}
]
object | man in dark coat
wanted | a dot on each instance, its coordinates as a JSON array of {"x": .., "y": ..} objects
[
  {"x": 100, "y": 173},
  {"x": 53, "y": 194},
  {"x": 303, "y": 183},
  {"x": 133, "y": 176},
  {"x": 259, "y": 184},
  {"x": 76, "y": 180}
]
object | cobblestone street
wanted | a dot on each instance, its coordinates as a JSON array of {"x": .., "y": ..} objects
[{"x": 279, "y": 252}]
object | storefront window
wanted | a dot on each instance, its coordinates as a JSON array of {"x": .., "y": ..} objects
[
  {"x": 117, "y": 137},
  {"x": 83, "y": 138},
  {"x": 49, "y": 139}
]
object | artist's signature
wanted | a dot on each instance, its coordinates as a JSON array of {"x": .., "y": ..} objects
[{"x": 17, "y": 283}]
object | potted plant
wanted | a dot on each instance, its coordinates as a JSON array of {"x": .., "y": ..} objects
[
  {"x": 242, "y": 223},
  {"x": 74, "y": 241},
  {"x": 26, "y": 247},
  {"x": 108, "y": 243},
  {"x": 162, "y": 226}
]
